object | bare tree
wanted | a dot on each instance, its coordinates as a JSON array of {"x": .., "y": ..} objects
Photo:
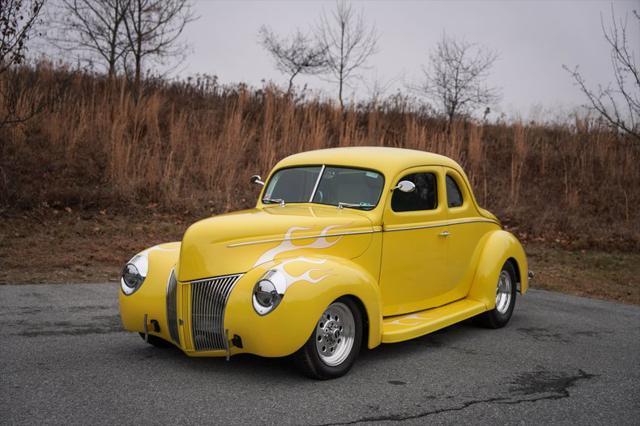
[
  {"x": 17, "y": 21},
  {"x": 348, "y": 43},
  {"x": 153, "y": 28},
  {"x": 455, "y": 79},
  {"x": 618, "y": 104},
  {"x": 95, "y": 27},
  {"x": 294, "y": 55}
]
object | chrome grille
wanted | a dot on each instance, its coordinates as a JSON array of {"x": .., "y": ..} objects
[
  {"x": 208, "y": 301},
  {"x": 172, "y": 309}
]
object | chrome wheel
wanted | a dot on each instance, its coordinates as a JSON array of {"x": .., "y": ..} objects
[
  {"x": 335, "y": 334},
  {"x": 503, "y": 292}
]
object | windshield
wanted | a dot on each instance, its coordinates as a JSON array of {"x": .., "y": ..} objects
[{"x": 337, "y": 186}]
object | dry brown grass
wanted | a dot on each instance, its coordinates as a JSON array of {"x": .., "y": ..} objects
[
  {"x": 192, "y": 147},
  {"x": 66, "y": 246},
  {"x": 80, "y": 246},
  {"x": 610, "y": 275}
]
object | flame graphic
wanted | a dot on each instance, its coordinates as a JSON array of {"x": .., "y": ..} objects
[
  {"x": 305, "y": 276},
  {"x": 407, "y": 320},
  {"x": 286, "y": 245}
]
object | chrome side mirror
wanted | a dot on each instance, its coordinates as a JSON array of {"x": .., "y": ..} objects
[
  {"x": 405, "y": 186},
  {"x": 257, "y": 180}
]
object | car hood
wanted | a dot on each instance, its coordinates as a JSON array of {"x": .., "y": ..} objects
[{"x": 237, "y": 242}]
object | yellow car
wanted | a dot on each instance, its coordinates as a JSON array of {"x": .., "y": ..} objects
[{"x": 346, "y": 247}]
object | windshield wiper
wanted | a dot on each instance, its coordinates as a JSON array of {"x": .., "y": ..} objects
[
  {"x": 342, "y": 205},
  {"x": 273, "y": 200}
]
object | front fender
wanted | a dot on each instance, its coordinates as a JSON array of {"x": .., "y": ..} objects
[
  {"x": 150, "y": 298},
  {"x": 498, "y": 247},
  {"x": 315, "y": 282}
]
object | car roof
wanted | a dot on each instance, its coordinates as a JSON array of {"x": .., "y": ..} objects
[{"x": 384, "y": 159}]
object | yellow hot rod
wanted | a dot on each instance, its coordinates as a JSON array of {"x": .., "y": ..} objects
[{"x": 346, "y": 247}]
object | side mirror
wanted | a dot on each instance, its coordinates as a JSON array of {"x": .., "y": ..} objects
[
  {"x": 405, "y": 186},
  {"x": 257, "y": 180}
]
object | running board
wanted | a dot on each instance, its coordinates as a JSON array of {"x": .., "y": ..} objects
[{"x": 404, "y": 327}]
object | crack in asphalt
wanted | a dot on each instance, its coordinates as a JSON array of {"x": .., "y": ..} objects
[{"x": 530, "y": 383}]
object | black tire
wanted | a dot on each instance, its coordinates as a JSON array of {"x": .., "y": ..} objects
[
  {"x": 156, "y": 341},
  {"x": 309, "y": 358},
  {"x": 497, "y": 318}
]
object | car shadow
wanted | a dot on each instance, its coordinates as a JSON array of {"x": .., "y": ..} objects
[
  {"x": 438, "y": 340},
  {"x": 243, "y": 365}
]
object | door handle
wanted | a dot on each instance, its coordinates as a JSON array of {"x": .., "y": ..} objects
[{"x": 445, "y": 234}]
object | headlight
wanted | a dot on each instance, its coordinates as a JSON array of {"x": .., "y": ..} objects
[
  {"x": 268, "y": 292},
  {"x": 134, "y": 273}
]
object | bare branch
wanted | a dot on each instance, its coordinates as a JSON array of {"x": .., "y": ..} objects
[
  {"x": 618, "y": 103},
  {"x": 294, "y": 55},
  {"x": 348, "y": 43},
  {"x": 93, "y": 28},
  {"x": 17, "y": 20},
  {"x": 455, "y": 79},
  {"x": 153, "y": 28}
]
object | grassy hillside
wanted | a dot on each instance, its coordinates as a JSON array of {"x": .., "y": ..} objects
[{"x": 189, "y": 149}]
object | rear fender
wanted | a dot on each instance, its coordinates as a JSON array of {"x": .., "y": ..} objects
[{"x": 498, "y": 247}]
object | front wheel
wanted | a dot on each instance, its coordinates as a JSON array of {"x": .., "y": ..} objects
[
  {"x": 335, "y": 342},
  {"x": 505, "y": 299}
]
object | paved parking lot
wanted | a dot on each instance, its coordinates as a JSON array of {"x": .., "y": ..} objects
[{"x": 562, "y": 359}]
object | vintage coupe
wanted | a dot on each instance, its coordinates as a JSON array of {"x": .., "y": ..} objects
[{"x": 345, "y": 247}]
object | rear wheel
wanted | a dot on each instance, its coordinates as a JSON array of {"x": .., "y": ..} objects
[
  {"x": 505, "y": 299},
  {"x": 335, "y": 342}
]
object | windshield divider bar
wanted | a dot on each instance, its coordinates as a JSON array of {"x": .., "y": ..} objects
[{"x": 315, "y": 187}]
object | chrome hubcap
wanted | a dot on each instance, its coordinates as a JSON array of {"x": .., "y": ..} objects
[
  {"x": 503, "y": 292},
  {"x": 335, "y": 334}
]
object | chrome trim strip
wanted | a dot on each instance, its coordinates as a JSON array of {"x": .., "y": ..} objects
[
  {"x": 340, "y": 234},
  {"x": 277, "y": 240},
  {"x": 213, "y": 278},
  {"x": 440, "y": 225},
  {"x": 315, "y": 187},
  {"x": 172, "y": 306}
]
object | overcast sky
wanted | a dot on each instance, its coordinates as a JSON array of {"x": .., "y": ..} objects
[{"x": 534, "y": 39}]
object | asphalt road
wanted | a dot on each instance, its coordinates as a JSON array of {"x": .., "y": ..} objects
[{"x": 562, "y": 359}]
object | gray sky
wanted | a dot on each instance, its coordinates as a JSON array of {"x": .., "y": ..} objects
[{"x": 534, "y": 39}]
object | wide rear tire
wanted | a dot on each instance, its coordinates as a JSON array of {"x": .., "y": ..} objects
[{"x": 505, "y": 299}]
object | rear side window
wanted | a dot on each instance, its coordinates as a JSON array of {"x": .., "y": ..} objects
[
  {"x": 425, "y": 196},
  {"x": 454, "y": 195}
]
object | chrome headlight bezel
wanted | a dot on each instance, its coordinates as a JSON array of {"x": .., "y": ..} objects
[
  {"x": 134, "y": 273},
  {"x": 268, "y": 292}
]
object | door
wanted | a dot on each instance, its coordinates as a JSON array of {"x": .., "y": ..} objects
[{"x": 413, "y": 274}]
